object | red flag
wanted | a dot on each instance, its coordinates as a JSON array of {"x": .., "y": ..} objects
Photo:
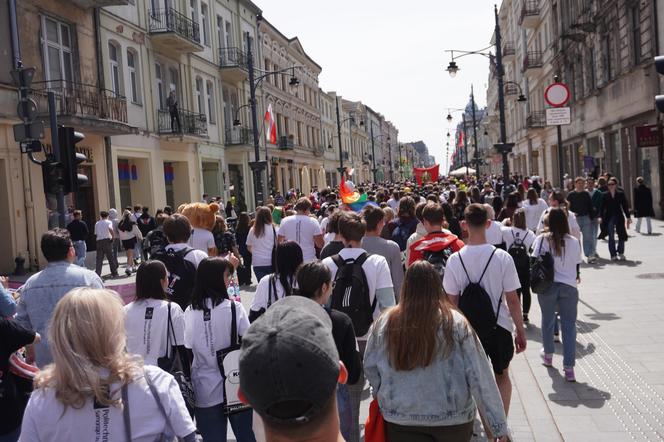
[
  {"x": 460, "y": 139},
  {"x": 424, "y": 175},
  {"x": 272, "y": 126}
]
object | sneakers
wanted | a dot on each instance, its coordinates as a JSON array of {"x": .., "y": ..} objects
[
  {"x": 525, "y": 318},
  {"x": 569, "y": 374},
  {"x": 591, "y": 259},
  {"x": 128, "y": 271},
  {"x": 621, "y": 256},
  {"x": 547, "y": 359},
  {"x": 614, "y": 258}
]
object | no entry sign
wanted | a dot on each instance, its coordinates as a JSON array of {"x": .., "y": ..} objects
[{"x": 557, "y": 94}]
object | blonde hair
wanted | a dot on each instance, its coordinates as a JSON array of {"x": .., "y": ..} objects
[{"x": 87, "y": 333}]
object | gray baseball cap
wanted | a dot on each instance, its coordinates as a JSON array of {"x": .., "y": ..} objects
[{"x": 289, "y": 365}]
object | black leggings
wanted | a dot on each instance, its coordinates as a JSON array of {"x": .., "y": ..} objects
[{"x": 524, "y": 295}]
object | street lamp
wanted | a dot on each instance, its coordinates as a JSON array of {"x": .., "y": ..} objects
[
  {"x": 373, "y": 152},
  {"x": 339, "y": 123}
]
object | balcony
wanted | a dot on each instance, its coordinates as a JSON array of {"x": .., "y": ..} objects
[
  {"x": 238, "y": 135},
  {"x": 87, "y": 4},
  {"x": 233, "y": 64},
  {"x": 174, "y": 32},
  {"x": 84, "y": 106},
  {"x": 190, "y": 123},
  {"x": 530, "y": 14},
  {"x": 532, "y": 62},
  {"x": 536, "y": 120},
  {"x": 286, "y": 143},
  {"x": 509, "y": 51},
  {"x": 511, "y": 89}
]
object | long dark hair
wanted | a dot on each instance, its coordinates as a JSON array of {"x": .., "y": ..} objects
[
  {"x": 243, "y": 221},
  {"x": 263, "y": 221},
  {"x": 558, "y": 228},
  {"x": 310, "y": 279},
  {"x": 209, "y": 282},
  {"x": 289, "y": 260},
  {"x": 148, "y": 280}
]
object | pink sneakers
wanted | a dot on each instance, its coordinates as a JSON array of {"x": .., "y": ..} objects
[
  {"x": 547, "y": 359},
  {"x": 569, "y": 374}
]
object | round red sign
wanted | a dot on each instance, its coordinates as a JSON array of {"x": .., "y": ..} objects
[{"x": 557, "y": 94}]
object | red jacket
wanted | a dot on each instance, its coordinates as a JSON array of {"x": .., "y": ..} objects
[{"x": 433, "y": 242}]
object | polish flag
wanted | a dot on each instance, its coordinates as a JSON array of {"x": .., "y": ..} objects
[{"x": 272, "y": 126}]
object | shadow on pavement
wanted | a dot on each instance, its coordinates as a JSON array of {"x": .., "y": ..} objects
[
  {"x": 596, "y": 315},
  {"x": 575, "y": 394},
  {"x": 534, "y": 333}
]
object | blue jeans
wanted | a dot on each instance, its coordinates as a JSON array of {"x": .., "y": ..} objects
[
  {"x": 261, "y": 271},
  {"x": 611, "y": 230},
  {"x": 80, "y": 248},
  {"x": 585, "y": 223},
  {"x": 564, "y": 299},
  {"x": 212, "y": 423},
  {"x": 345, "y": 414}
]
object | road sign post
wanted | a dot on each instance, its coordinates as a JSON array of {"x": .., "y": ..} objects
[{"x": 557, "y": 95}]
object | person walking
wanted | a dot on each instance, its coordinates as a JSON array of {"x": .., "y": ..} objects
[
  {"x": 129, "y": 235},
  {"x": 302, "y": 229},
  {"x": 105, "y": 236},
  {"x": 557, "y": 199},
  {"x": 615, "y": 213},
  {"x": 643, "y": 205},
  {"x": 580, "y": 202},
  {"x": 562, "y": 298},
  {"x": 172, "y": 105},
  {"x": 374, "y": 244},
  {"x": 94, "y": 380},
  {"x": 596, "y": 197},
  {"x": 146, "y": 224},
  {"x": 427, "y": 367},
  {"x": 262, "y": 242},
  {"x": 241, "y": 233},
  {"x": 518, "y": 241},
  {"x": 78, "y": 230},
  {"x": 209, "y": 322},
  {"x": 534, "y": 206},
  {"x": 115, "y": 242}
]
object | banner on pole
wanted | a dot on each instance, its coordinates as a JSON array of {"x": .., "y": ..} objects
[{"x": 424, "y": 175}]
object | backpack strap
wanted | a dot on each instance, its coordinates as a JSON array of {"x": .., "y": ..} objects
[
  {"x": 339, "y": 261},
  {"x": 184, "y": 252},
  {"x": 271, "y": 285},
  {"x": 487, "y": 265},
  {"x": 125, "y": 412},
  {"x": 234, "y": 337}
]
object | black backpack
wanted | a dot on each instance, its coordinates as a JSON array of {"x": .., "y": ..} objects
[
  {"x": 350, "y": 294},
  {"x": 519, "y": 253},
  {"x": 438, "y": 259},
  {"x": 402, "y": 232},
  {"x": 156, "y": 241},
  {"x": 181, "y": 274},
  {"x": 475, "y": 303}
]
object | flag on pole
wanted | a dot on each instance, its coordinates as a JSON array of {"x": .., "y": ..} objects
[
  {"x": 424, "y": 175},
  {"x": 272, "y": 126}
]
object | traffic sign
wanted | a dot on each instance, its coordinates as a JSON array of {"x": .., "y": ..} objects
[
  {"x": 558, "y": 116},
  {"x": 557, "y": 94}
]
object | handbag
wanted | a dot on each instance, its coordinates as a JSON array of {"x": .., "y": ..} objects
[
  {"x": 228, "y": 360},
  {"x": 374, "y": 428},
  {"x": 541, "y": 271},
  {"x": 174, "y": 365}
]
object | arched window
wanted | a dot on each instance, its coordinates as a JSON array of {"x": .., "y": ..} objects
[
  {"x": 116, "y": 67},
  {"x": 134, "y": 76}
]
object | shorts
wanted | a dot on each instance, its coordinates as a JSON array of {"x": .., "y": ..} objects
[
  {"x": 499, "y": 348},
  {"x": 128, "y": 244}
]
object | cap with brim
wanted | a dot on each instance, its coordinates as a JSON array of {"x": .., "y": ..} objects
[{"x": 289, "y": 363}]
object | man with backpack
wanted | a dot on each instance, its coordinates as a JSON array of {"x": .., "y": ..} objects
[
  {"x": 180, "y": 260},
  {"x": 155, "y": 240},
  {"x": 406, "y": 223},
  {"x": 482, "y": 280},
  {"x": 362, "y": 289},
  {"x": 438, "y": 244}
]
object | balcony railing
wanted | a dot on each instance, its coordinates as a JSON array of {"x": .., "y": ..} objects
[
  {"x": 170, "y": 20},
  {"x": 80, "y": 100},
  {"x": 529, "y": 10},
  {"x": 532, "y": 60},
  {"x": 232, "y": 58},
  {"x": 238, "y": 135},
  {"x": 184, "y": 122},
  {"x": 286, "y": 143},
  {"x": 509, "y": 49},
  {"x": 536, "y": 120}
]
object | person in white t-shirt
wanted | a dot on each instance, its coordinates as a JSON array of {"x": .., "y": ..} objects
[
  {"x": 518, "y": 233},
  {"x": 207, "y": 332},
  {"x": 393, "y": 202},
  {"x": 302, "y": 229},
  {"x": 494, "y": 234},
  {"x": 557, "y": 199},
  {"x": 80, "y": 398},
  {"x": 149, "y": 333},
  {"x": 563, "y": 295},
  {"x": 480, "y": 262},
  {"x": 351, "y": 231},
  {"x": 261, "y": 241},
  {"x": 534, "y": 207}
]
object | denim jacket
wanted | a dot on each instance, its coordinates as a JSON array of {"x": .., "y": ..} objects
[
  {"x": 42, "y": 291},
  {"x": 441, "y": 394}
]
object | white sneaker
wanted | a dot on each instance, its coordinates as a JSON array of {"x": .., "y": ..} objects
[{"x": 621, "y": 256}]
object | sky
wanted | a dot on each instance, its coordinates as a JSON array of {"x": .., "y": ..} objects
[{"x": 390, "y": 54}]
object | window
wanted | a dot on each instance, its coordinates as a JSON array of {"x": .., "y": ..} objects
[
  {"x": 134, "y": 79},
  {"x": 173, "y": 75},
  {"x": 57, "y": 49},
  {"x": 210, "y": 102},
  {"x": 591, "y": 70},
  {"x": 220, "y": 31},
  {"x": 193, "y": 9},
  {"x": 229, "y": 35},
  {"x": 607, "y": 54},
  {"x": 635, "y": 15},
  {"x": 116, "y": 74},
  {"x": 199, "y": 95},
  {"x": 160, "y": 86},
  {"x": 206, "y": 24}
]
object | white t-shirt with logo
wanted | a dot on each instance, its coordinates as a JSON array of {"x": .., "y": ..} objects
[
  {"x": 261, "y": 248},
  {"x": 301, "y": 229},
  {"x": 146, "y": 322},
  {"x": 263, "y": 289},
  {"x": 534, "y": 212},
  {"x": 500, "y": 276},
  {"x": 206, "y": 332},
  {"x": 201, "y": 239},
  {"x": 564, "y": 266},
  {"x": 48, "y": 420},
  {"x": 102, "y": 229}
]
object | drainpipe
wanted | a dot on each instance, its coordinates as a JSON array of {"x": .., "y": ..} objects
[{"x": 660, "y": 148}]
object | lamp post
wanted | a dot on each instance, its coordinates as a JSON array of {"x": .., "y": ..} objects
[
  {"x": 503, "y": 147},
  {"x": 373, "y": 151},
  {"x": 339, "y": 123}
]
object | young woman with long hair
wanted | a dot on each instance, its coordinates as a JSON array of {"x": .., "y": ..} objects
[
  {"x": 207, "y": 331},
  {"x": 511, "y": 204},
  {"x": 460, "y": 203},
  {"x": 274, "y": 286},
  {"x": 534, "y": 207},
  {"x": 241, "y": 233},
  {"x": 261, "y": 240},
  {"x": 129, "y": 236},
  {"x": 518, "y": 234},
  {"x": 424, "y": 360},
  {"x": 563, "y": 295},
  {"x": 94, "y": 389}
]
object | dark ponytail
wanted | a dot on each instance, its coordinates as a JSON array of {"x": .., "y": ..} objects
[{"x": 310, "y": 279}]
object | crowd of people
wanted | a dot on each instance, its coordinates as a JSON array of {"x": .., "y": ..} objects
[{"x": 423, "y": 296}]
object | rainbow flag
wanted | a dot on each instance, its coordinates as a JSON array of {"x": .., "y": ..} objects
[{"x": 351, "y": 197}]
